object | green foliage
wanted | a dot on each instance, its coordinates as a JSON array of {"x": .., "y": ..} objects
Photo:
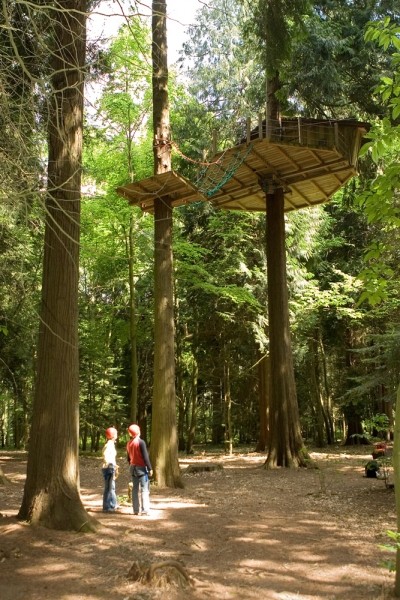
[
  {"x": 271, "y": 29},
  {"x": 223, "y": 75},
  {"x": 380, "y": 200},
  {"x": 332, "y": 70},
  {"x": 378, "y": 423},
  {"x": 393, "y": 546}
]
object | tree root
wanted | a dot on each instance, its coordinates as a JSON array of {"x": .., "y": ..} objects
[{"x": 160, "y": 574}]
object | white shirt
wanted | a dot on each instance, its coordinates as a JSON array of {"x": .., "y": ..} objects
[{"x": 109, "y": 453}]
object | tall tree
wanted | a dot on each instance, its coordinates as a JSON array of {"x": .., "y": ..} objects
[
  {"x": 51, "y": 494},
  {"x": 285, "y": 442},
  {"x": 332, "y": 70},
  {"x": 164, "y": 442},
  {"x": 272, "y": 23}
]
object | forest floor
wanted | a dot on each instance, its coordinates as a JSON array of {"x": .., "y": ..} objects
[{"x": 237, "y": 532}]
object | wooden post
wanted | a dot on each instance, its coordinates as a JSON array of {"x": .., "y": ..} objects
[
  {"x": 299, "y": 129},
  {"x": 260, "y": 120}
]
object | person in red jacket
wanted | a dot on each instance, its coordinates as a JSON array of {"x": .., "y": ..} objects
[{"x": 140, "y": 469}]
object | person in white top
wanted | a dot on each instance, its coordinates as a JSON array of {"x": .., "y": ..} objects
[{"x": 109, "y": 470}]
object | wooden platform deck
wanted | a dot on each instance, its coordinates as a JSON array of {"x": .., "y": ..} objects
[{"x": 310, "y": 160}]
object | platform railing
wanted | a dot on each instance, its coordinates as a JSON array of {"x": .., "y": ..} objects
[{"x": 319, "y": 134}]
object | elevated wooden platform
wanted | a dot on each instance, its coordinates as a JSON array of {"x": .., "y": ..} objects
[{"x": 310, "y": 160}]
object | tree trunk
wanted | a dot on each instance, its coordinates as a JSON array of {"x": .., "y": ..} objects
[
  {"x": 3, "y": 478},
  {"x": 329, "y": 426},
  {"x": 285, "y": 441},
  {"x": 263, "y": 390},
  {"x": 315, "y": 393},
  {"x": 217, "y": 403},
  {"x": 228, "y": 410},
  {"x": 164, "y": 442},
  {"x": 396, "y": 465},
  {"x": 51, "y": 494},
  {"x": 273, "y": 108},
  {"x": 193, "y": 414},
  {"x": 133, "y": 325},
  {"x": 355, "y": 431}
]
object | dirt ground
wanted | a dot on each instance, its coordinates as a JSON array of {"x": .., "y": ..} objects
[{"x": 237, "y": 532}]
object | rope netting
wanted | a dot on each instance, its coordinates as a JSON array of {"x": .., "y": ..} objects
[{"x": 215, "y": 175}]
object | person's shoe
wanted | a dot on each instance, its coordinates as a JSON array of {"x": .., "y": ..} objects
[{"x": 136, "y": 514}]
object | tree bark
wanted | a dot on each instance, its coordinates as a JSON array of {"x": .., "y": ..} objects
[
  {"x": 133, "y": 324},
  {"x": 315, "y": 393},
  {"x": 396, "y": 466},
  {"x": 285, "y": 444},
  {"x": 263, "y": 391},
  {"x": 228, "y": 438},
  {"x": 193, "y": 414},
  {"x": 164, "y": 440},
  {"x": 51, "y": 494}
]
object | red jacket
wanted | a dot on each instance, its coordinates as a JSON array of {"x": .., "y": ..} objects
[{"x": 137, "y": 453}]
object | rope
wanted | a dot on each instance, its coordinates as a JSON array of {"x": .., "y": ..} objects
[
  {"x": 168, "y": 145},
  {"x": 214, "y": 177}
]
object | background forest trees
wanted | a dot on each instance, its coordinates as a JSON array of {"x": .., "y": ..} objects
[{"x": 345, "y": 352}]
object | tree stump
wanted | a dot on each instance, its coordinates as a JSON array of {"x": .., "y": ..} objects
[
  {"x": 160, "y": 574},
  {"x": 3, "y": 478}
]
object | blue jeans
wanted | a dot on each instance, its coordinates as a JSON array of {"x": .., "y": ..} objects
[
  {"x": 110, "y": 501},
  {"x": 141, "y": 489}
]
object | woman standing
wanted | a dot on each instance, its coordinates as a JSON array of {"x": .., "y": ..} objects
[
  {"x": 140, "y": 469},
  {"x": 110, "y": 502}
]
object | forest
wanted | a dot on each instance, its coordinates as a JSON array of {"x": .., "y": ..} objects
[{"x": 82, "y": 344}]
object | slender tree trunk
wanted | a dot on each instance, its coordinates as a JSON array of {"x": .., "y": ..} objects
[
  {"x": 164, "y": 442},
  {"x": 329, "y": 425},
  {"x": 273, "y": 108},
  {"x": 51, "y": 494},
  {"x": 315, "y": 392},
  {"x": 193, "y": 414},
  {"x": 263, "y": 394},
  {"x": 396, "y": 465},
  {"x": 182, "y": 403},
  {"x": 217, "y": 403},
  {"x": 285, "y": 441},
  {"x": 133, "y": 325},
  {"x": 228, "y": 410}
]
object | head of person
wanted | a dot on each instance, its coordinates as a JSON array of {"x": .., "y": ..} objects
[
  {"x": 111, "y": 433},
  {"x": 134, "y": 430}
]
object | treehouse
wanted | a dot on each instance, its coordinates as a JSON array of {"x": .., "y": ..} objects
[
  {"x": 308, "y": 159},
  {"x": 275, "y": 168}
]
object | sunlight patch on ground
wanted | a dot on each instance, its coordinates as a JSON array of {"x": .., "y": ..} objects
[
  {"x": 289, "y": 596},
  {"x": 167, "y": 503}
]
